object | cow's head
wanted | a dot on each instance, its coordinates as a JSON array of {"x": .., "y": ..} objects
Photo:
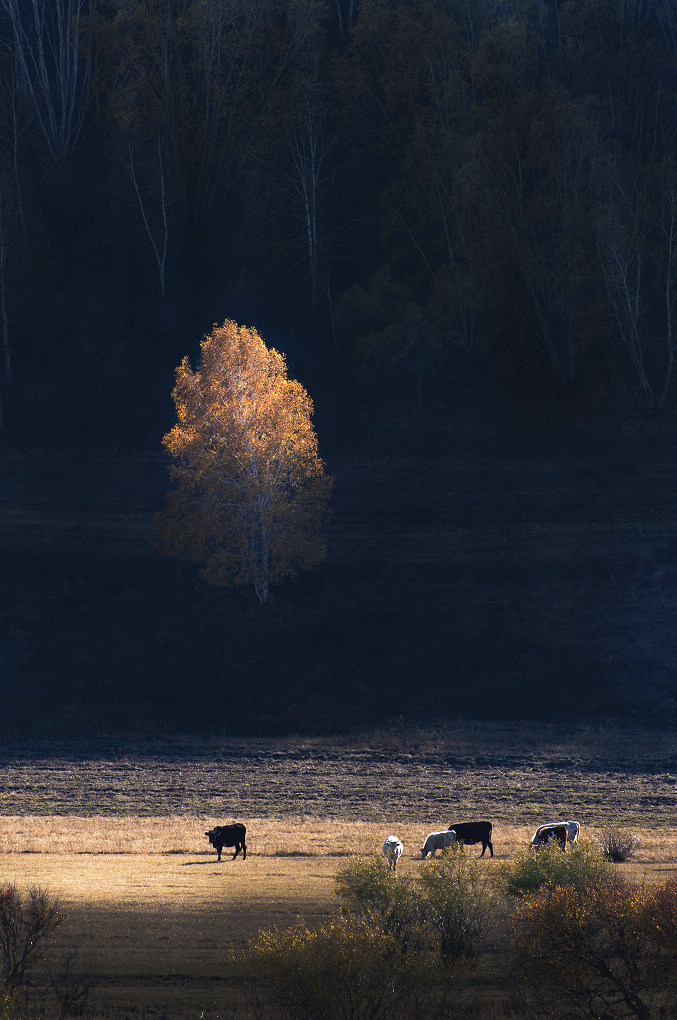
[{"x": 210, "y": 835}]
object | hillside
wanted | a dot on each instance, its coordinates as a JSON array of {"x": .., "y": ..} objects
[{"x": 494, "y": 576}]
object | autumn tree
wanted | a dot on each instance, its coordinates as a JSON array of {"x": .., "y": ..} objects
[
  {"x": 138, "y": 75},
  {"x": 294, "y": 174},
  {"x": 404, "y": 94},
  {"x": 157, "y": 227},
  {"x": 302, "y": 180},
  {"x": 251, "y": 491},
  {"x": 604, "y": 949}
]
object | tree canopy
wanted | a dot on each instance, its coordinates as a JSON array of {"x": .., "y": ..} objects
[
  {"x": 507, "y": 169},
  {"x": 251, "y": 490}
]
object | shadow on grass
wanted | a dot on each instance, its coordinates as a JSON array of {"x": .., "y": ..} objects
[{"x": 189, "y": 864}]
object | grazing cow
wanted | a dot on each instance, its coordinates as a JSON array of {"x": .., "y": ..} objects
[
  {"x": 551, "y": 833},
  {"x": 574, "y": 830},
  {"x": 392, "y": 848},
  {"x": 438, "y": 841},
  {"x": 229, "y": 835},
  {"x": 470, "y": 833}
]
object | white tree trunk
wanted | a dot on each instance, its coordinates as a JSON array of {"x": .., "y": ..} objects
[
  {"x": 46, "y": 36},
  {"x": 158, "y": 237}
]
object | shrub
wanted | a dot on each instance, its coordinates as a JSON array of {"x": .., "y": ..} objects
[
  {"x": 347, "y": 970},
  {"x": 71, "y": 981},
  {"x": 531, "y": 869},
  {"x": 456, "y": 897},
  {"x": 26, "y": 924},
  {"x": 661, "y": 908},
  {"x": 369, "y": 888},
  {"x": 606, "y": 948},
  {"x": 445, "y": 910},
  {"x": 399, "y": 945},
  {"x": 367, "y": 884},
  {"x": 617, "y": 845}
]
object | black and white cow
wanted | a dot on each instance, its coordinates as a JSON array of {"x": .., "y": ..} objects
[
  {"x": 552, "y": 831},
  {"x": 471, "y": 833},
  {"x": 574, "y": 830},
  {"x": 229, "y": 835},
  {"x": 556, "y": 832}
]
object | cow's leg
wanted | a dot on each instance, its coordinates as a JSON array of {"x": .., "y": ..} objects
[
  {"x": 491, "y": 847},
  {"x": 244, "y": 851},
  {"x": 219, "y": 849},
  {"x": 237, "y": 850}
]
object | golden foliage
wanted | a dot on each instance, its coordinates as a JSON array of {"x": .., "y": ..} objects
[
  {"x": 252, "y": 490},
  {"x": 347, "y": 969},
  {"x": 530, "y": 870},
  {"x": 445, "y": 909},
  {"x": 605, "y": 949}
]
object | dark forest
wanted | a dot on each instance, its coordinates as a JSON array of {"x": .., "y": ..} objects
[{"x": 458, "y": 221}]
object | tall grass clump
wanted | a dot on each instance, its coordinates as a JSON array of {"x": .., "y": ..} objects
[
  {"x": 530, "y": 869},
  {"x": 616, "y": 844}
]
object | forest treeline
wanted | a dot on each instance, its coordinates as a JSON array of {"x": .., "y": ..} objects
[{"x": 383, "y": 188}]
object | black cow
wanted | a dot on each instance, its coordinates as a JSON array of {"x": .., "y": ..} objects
[
  {"x": 474, "y": 832},
  {"x": 229, "y": 835}
]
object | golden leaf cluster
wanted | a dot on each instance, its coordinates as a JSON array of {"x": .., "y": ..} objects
[{"x": 251, "y": 491}]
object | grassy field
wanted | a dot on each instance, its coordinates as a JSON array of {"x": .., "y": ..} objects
[{"x": 118, "y": 835}]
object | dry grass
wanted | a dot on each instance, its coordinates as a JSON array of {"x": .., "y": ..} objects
[
  {"x": 290, "y": 837},
  {"x": 184, "y": 835},
  {"x": 160, "y": 922},
  {"x": 118, "y": 835}
]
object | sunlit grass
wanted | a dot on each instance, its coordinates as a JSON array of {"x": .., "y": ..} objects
[
  {"x": 293, "y": 836},
  {"x": 120, "y": 839},
  {"x": 158, "y": 913}
]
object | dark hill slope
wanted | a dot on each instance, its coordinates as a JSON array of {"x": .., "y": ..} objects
[{"x": 504, "y": 579}]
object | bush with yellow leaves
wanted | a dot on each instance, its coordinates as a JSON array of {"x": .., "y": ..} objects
[
  {"x": 605, "y": 949},
  {"x": 347, "y": 969},
  {"x": 530, "y": 869}
]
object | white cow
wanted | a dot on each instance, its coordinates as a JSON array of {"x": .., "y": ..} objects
[
  {"x": 392, "y": 848},
  {"x": 438, "y": 841}
]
